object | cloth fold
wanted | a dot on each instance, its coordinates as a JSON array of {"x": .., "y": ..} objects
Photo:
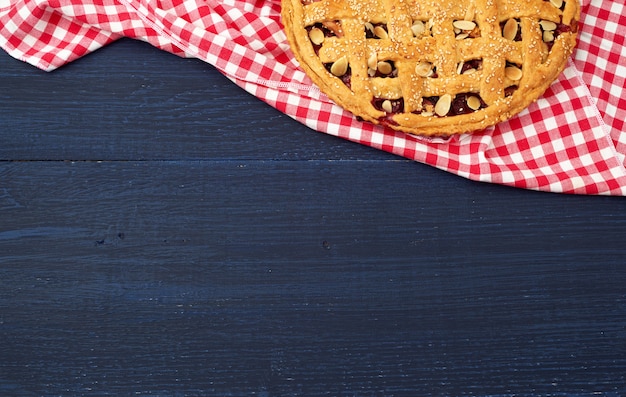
[{"x": 572, "y": 140}]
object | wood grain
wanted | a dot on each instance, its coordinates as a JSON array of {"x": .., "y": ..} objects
[
  {"x": 143, "y": 252},
  {"x": 119, "y": 104}
]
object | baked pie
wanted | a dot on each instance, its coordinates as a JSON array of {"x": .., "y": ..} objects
[{"x": 432, "y": 67}]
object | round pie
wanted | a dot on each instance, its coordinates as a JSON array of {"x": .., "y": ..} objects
[{"x": 432, "y": 67}]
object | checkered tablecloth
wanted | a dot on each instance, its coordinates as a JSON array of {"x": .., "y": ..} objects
[{"x": 572, "y": 140}]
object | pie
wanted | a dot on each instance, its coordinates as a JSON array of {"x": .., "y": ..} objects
[{"x": 432, "y": 67}]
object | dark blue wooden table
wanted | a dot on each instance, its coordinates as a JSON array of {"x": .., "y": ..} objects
[{"x": 164, "y": 233}]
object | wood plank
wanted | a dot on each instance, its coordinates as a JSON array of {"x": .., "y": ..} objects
[
  {"x": 218, "y": 255},
  {"x": 130, "y": 101},
  {"x": 303, "y": 278}
]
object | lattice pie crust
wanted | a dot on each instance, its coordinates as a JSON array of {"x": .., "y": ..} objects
[{"x": 432, "y": 67}]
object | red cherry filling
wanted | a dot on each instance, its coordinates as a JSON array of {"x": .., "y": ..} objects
[
  {"x": 389, "y": 106},
  {"x": 330, "y": 29},
  {"x": 560, "y": 28},
  {"x": 428, "y": 104},
  {"x": 461, "y": 104},
  {"x": 346, "y": 78},
  {"x": 327, "y": 32},
  {"x": 375, "y": 30},
  {"x": 472, "y": 64},
  {"x": 380, "y": 72},
  {"x": 510, "y": 90},
  {"x": 518, "y": 34}
]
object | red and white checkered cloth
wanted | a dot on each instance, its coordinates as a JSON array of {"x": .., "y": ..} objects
[{"x": 572, "y": 140}]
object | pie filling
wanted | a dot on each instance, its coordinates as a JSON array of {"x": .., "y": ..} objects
[
  {"x": 339, "y": 70},
  {"x": 389, "y": 106},
  {"x": 466, "y": 103},
  {"x": 551, "y": 30},
  {"x": 320, "y": 31},
  {"x": 376, "y": 31},
  {"x": 446, "y": 105},
  {"x": 384, "y": 69},
  {"x": 469, "y": 66},
  {"x": 434, "y": 106},
  {"x": 511, "y": 29},
  {"x": 510, "y": 90}
]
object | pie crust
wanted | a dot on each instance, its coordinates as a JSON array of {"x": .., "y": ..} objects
[{"x": 432, "y": 67}]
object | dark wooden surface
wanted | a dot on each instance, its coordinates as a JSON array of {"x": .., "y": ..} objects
[{"x": 164, "y": 233}]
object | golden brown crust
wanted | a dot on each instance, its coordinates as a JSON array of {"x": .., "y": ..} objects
[{"x": 432, "y": 67}]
